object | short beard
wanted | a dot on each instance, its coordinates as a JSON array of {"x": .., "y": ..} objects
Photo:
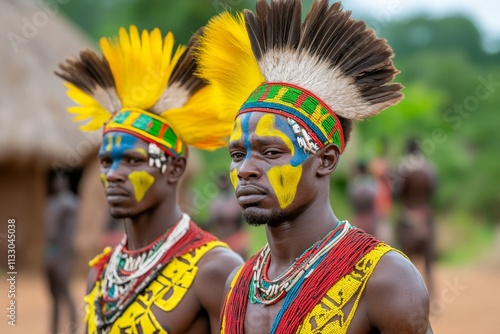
[{"x": 271, "y": 218}]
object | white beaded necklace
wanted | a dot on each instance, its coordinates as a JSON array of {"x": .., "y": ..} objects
[
  {"x": 112, "y": 275},
  {"x": 278, "y": 287}
]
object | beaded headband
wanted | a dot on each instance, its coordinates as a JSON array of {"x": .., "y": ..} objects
[
  {"x": 300, "y": 105},
  {"x": 147, "y": 126}
]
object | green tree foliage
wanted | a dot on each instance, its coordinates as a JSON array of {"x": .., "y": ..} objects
[
  {"x": 449, "y": 103},
  {"x": 452, "y": 95}
]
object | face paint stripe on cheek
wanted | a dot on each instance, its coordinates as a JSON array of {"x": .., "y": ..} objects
[
  {"x": 141, "y": 181},
  {"x": 285, "y": 181},
  {"x": 233, "y": 176},
  {"x": 103, "y": 180}
]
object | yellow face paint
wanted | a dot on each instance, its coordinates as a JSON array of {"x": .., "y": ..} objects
[
  {"x": 265, "y": 128},
  {"x": 103, "y": 180},
  {"x": 118, "y": 140},
  {"x": 141, "y": 181},
  {"x": 233, "y": 176},
  {"x": 110, "y": 143},
  {"x": 237, "y": 133},
  {"x": 285, "y": 180},
  {"x": 141, "y": 151}
]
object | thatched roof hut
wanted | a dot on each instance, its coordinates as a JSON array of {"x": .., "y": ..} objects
[{"x": 36, "y": 132}]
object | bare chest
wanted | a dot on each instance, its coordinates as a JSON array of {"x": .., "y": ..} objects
[{"x": 259, "y": 319}]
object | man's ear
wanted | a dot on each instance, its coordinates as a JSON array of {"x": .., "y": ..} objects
[
  {"x": 329, "y": 158},
  {"x": 175, "y": 169}
]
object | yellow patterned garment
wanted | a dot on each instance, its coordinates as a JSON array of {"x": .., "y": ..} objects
[
  {"x": 174, "y": 280},
  {"x": 331, "y": 315}
]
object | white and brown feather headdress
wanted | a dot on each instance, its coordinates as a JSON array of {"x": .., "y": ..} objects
[{"x": 324, "y": 72}]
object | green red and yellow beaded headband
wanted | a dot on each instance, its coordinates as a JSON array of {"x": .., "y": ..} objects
[
  {"x": 302, "y": 106},
  {"x": 147, "y": 126},
  {"x": 316, "y": 72},
  {"x": 145, "y": 86}
]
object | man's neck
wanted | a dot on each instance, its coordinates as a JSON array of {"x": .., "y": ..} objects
[
  {"x": 290, "y": 239},
  {"x": 146, "y": 227}
]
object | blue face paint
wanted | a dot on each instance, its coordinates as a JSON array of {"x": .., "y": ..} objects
[
  {"x": 245, "y": 124},
  {"x": 115, "y": 144},
  {"x": 299, "y": 155}
]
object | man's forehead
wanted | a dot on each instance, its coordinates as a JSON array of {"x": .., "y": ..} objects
[
  {"x": 120, "y": 140},
  {"x": 250, "y": 122},
  {"x": 261, "y": 128}
]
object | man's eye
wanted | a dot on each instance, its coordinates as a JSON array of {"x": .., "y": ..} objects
[
  {"x": 134, "y": 161},
  {"x": 106, "y": 162},
  {"x": 237, "y": 155},
  {"x": 272, "y": 152}
]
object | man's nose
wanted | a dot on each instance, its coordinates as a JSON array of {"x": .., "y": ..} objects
[
  {"x": 115, "y": 172},
  {"x": 249, "y": 169}
]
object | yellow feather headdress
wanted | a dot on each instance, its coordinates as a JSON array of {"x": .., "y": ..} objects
[
  {"x": 321, "y": 73},
  {"x": 142, "y": 84}
]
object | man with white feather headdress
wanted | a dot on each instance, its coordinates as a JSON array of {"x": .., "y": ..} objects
[{"x": 294, "y": 89}]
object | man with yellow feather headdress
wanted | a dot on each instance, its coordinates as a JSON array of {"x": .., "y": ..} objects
[
  {"x": 294, "y": 89},
  {"x": 167, "y": 275}
]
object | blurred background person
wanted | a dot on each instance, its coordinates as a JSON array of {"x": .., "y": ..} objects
[
  {"x": 225, "y": 219},
  {"x": 415, "y": 189},
  {"x": 362, "y": 192},
  {"x": 60, "y": 226},
  {"x": 379, "y": 168}
]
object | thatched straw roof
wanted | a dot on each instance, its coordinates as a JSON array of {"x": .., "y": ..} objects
[{"x": 34, "y": 123}]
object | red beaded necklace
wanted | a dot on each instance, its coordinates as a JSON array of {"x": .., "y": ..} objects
[
  {"x": 339, "y": 261},
  {"x": 108, "y": 309}
]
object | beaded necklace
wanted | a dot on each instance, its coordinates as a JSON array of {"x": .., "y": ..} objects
[
  {"x": 307, "y": 292},
  {"x": 267, "y": 292},
  {"x": 128, "y": 272}
]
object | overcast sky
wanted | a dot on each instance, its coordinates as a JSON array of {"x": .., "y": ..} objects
[{"x": 485, "y": 13}]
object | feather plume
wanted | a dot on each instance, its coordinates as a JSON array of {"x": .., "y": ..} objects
[
  {"x": 182, "y": 83},
  {"x": 91, "y": 85},
  {"x": 141, "y": 65},
  {"x": 145, "y": 71},
  {"x": 233, "y": 78},
  {"x": 330, "y": 54}
]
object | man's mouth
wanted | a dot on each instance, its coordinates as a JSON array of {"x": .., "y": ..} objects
[
  {"x": 248, "y": 195},
  {"x": 116, "y": 195}
]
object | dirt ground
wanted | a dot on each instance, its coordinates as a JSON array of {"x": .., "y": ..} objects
[{"x": 466, "y": 301}]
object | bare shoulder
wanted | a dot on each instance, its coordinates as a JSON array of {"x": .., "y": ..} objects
[
  {"x": 396, "y": 297},
  {"x": 218, "y": 263},
  {"x": 213, "y": 271},
  {"x": 91, "y": 279}
]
